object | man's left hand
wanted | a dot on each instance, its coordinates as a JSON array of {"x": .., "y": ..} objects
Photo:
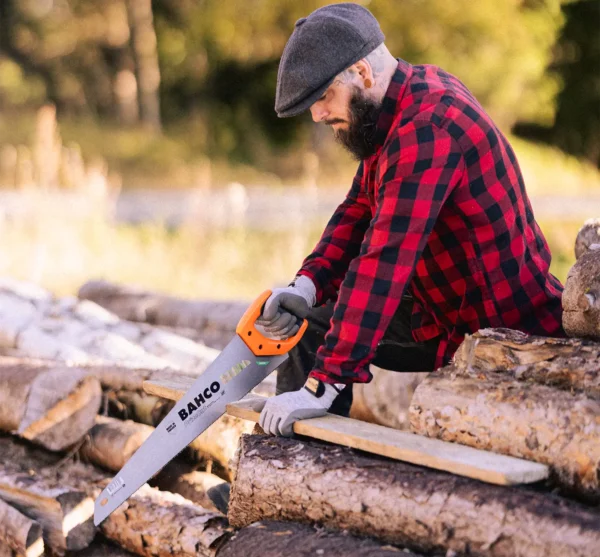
[{"x": 281, "y": 411}]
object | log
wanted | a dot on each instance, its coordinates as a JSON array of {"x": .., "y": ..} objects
[
  {"x": 50, "y": 405},
  {"x": 112, "y": 442},
  {"x": 102, "y": 548},
  {"x": 569, "y": 364},
  {"x": 136, "y": 406},
  {"x": 60, "y": 496},
  {"x": 491, "y": 411},
  {"x": 123, "y": 396},
  {"x": 19, "y": 533},
  {"x": 386, "y": 399},
  {"x": 203, "y": 488},
  {"x": 156, "y": 523},
  {"x": 588, "y": 235},
  {"x": 220, "y": 441},
  {"x": 54, "y": 495},
  {"x": 274, "y": 539},
  {"x": 135, "y": 304},
  {"x": 82, "y": 331},
  {"x": 581, "y": 296},
  {"x": 401, "y": 504}
]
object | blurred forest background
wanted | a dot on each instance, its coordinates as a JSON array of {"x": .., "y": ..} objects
[{"x": 138, "y": 140}]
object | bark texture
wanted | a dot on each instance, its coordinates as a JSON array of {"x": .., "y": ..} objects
[
  {"x": 588, "y": 235},
  {"x": 386, "y": 399},
  {"x": 203, "y": 488},
  {"x": 275, "y": 539},
  {"x": 102, "y": 548},
  {"x": 60, "y": 496},
  {"x": 111, "y": 442},
  {"x": 214, "y": 322},
  {"x": 54, "y": 494},
  {"x": 489, "y": 411},
  {"x": 19, "y": 533},
  {"x": 581, "y": 296},
  {"x": 569, "y": 364},
  {"x": 50, "y": 405},
  {"x": 310, "y": 482},
  {"x": 82, "y": 331},
  {"x": 123, "y": 386},
  {"x": 156, "y": 523}
]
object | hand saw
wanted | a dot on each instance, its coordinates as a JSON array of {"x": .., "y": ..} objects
[{"x": 244, "y": 363}]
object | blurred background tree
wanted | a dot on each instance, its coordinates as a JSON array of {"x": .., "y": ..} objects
[
  {"x": 203, "y": 72},
  {"x": 576, "y": 126}
]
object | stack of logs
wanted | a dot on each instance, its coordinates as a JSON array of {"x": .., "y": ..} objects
[{"x": 72, "y": 410}]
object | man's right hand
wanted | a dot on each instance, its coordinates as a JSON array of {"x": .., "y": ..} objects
[{"x": 286, "y": 306}]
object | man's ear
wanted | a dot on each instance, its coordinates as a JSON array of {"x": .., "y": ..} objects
[{"x": 364, "y": 71}]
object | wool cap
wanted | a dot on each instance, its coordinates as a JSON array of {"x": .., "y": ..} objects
[{"x": 322, "y": 45}]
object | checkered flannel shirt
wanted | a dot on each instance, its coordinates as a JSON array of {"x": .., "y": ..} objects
[{"x": 439, "y": 211}]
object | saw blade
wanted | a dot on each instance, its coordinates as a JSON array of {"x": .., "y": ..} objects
[{"x": 233, "y": 374}]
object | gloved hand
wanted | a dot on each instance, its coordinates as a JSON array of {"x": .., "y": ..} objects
[
  {"x": 281, "y": 411},
  {"x": 285, "y": 306}
]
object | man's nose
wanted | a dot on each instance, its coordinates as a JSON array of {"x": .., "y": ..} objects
[{"x": 318, "y": 113}]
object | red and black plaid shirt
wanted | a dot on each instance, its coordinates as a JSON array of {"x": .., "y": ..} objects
[{"x": 439, "y": 211}]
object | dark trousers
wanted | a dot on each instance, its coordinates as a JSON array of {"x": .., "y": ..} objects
[{"x": 397, "y": 351}]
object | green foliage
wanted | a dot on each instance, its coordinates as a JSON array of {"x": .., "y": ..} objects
[
  {"x": 218, "y": 63},
  {"x": 577, "y": 124},
  {"x": 226, "y": 57}
]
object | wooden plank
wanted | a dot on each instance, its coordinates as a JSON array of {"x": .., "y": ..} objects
[{"x": 399, "y": 445}]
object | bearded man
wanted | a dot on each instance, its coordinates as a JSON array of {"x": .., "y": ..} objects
[{"x": 435, "y": 239}]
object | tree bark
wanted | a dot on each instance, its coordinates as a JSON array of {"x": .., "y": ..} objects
[
  {"x": 207, "y": 490},
  {"x": 60, "y": 496},
  {"x": 213, "y": 321},
  {"x": 19, "y": 533},
  {"x": 123, "y": 386},
  {"x": 489, "y": 411},
  {"x": 220, "y": 442},
  {"x": 310, "y": 482},
  {"x": 275, "y": 539},
  {"x": 145, "y": 54},
  {"x": 81, "y": 331},
  {"x": 581, "y": 296},
  {"x": 54, "y": 495},
  {"x": 52, "y": 406},
  {"x": 569, "y": 364},
  {"x": 102, "y": 548},
  {"x": 156, "y": 524},
  {"x": 111, "y": 443},
  {"x": 386, "y": 399},
  {"x": 588, "y": 235}
]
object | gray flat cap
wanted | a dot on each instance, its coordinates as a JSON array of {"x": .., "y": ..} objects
[{"x": 322, "y": 45}]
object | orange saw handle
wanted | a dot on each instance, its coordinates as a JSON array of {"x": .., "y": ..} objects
[{"x": 261, "y": 345}]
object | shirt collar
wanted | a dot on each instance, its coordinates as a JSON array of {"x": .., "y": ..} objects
[{"x": 391, "y": 101}]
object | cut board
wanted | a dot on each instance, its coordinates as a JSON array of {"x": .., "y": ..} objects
[{"x": 392, "y": 443}]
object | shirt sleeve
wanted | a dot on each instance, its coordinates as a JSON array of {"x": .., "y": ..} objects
[
  {"x": 419, "y": 170},
  {"x": 326, "y": 266}
]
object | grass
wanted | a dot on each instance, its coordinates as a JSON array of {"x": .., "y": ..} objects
[
  {"x": 176, "y": 158},
  {"x": 61, "y": 253}
]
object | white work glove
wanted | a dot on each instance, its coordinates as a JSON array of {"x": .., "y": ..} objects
[
  {"x": 311, "y": 401},
  {"x": 285, "y": 306}
]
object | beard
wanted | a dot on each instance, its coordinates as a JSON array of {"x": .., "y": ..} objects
[{"x": 359, "y": 138}]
